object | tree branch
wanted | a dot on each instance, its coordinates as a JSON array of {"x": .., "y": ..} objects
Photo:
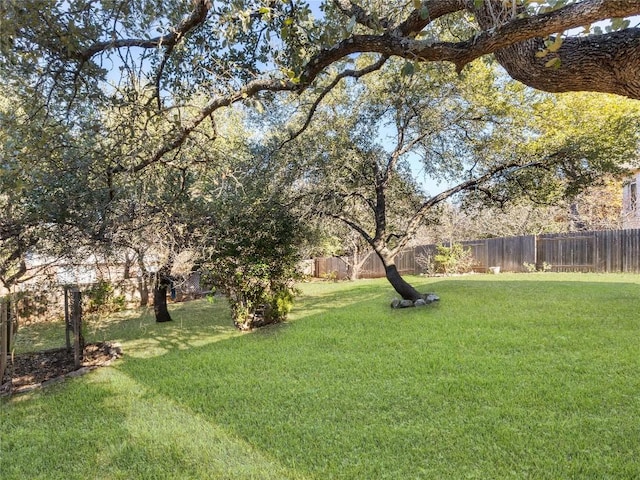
[
  {"x": 415, "y": 22},
  {"x": 360, "y": 15},
  {"x": 492, "y": 39},
  {"x": 607, "y": 63},
  {"x": 182, "y": 133},
  {"x": 351, "y": 224},
  {"x": 419, "y": 216},
  {"x": 346, "y": 73},
  {"x": 197, "y": 17}
]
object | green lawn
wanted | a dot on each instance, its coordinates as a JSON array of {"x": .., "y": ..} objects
[{"x": 509, "y": 376}]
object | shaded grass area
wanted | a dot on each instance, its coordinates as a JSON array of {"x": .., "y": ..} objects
[
  {"x": 510, "y": 376},
  {"x": 195, "y": 323}
]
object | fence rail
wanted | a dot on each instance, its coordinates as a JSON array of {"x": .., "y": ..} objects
[{"x": 607, "y": 251}]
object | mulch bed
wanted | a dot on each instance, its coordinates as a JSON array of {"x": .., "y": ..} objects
[{"x": 28, "y": 371}]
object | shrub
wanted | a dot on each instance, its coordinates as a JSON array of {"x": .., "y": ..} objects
[
  {"x": 259, "y": 293},
  {"x": 331, "y": 276},
  {"x": 33, "y": 304},
  {"x": 426, "y": 263},
  {"x": 101, "y": 299},
  {"x": 532, "y": 267},
  {"x": 453, "y": 259},
  {"x": 255, "y": 262}
]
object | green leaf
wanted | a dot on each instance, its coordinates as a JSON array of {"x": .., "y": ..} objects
[
  {"x": 619, "y": 23},
  {"x": 424, "y": 12},
  {"x": 557, "y": 43},
  {"x": 291, "y": 75},
  {"x": 407, "y": 69},
  {"x": 352, "y": 24},
  {"x": 478, "y": 3},
  {"x": 553, "y": 63},
  {"x": 417, "y": 4}
]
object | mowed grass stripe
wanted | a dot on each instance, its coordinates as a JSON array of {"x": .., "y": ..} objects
[{"x": 510, "y": 376}]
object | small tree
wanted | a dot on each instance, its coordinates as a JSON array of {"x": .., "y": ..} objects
[{"x": 253, "y": 252}]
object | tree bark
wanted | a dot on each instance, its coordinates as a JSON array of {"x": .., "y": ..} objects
[
  {"x": 143, "y": 288},
  {"x": 599, "y": 63},
  {"x": 143, "y": 280},
  {"x": 602, "y": 63},
  {"x": 399, "y": 284},
  {"x": 160, "y": 298}
]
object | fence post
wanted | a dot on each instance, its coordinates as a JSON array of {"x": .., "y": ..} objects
[
  {"x": 5, "y": 327},
  {"x": 67, "y": 319},
  {"x": 7, "y": 330},
  {"x": 76, "y": 320}
]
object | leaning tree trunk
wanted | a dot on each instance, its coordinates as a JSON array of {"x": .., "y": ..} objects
[
  {"x": 160, "y": 286},
  {"x": 400, "y": 285}
]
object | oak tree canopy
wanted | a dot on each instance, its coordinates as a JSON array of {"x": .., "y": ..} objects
[
  {"x": 242, "y": 51},
  {"x": 143, "y": 82}
]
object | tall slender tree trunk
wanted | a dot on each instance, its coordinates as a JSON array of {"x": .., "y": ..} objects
[
  {"x": 143, "y": 288},
  {"x": 143, "y": 280},
  {"x": 160, "y": 286}
]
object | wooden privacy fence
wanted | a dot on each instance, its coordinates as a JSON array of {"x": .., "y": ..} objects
[
  {"x": 607, "y": 251},
  {"x": 603, "y": 251}
]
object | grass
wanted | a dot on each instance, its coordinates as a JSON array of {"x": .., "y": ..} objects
[{"x": 510, "y": 376}]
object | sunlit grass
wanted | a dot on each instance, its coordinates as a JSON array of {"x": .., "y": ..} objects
[
  {"x": 194, "y": 324},
  {"x": 510, "y": 376}
]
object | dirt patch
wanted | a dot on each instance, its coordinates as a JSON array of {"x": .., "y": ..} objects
[{"x": 28, "y": 371}]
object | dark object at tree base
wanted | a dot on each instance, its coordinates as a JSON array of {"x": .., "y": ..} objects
[{"x": 425, "y": 299}]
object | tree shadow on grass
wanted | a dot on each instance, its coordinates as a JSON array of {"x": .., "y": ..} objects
[
  {"x": 376, "y": 396},
  {"x": 353, "y": 389},
  {"x": 320, "y": 297},
  {"x": 194, "y": 323},
  {"x": 110, "y": 426}
]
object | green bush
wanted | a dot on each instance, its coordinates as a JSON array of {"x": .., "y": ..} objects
[
  {"x": 259, "y": 293},
  {"x": 33, "y": 304},
  {"x": 101, "y": 299},
  {"x": 454, "y": 259},
  {"x": 255, "y": 262},
  {"x": 532, "y": 267}
]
